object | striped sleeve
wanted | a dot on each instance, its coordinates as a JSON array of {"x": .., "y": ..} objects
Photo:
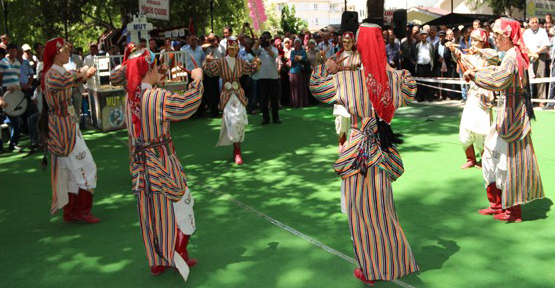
[
  {"x": 179, "y": 107},
  {"x": 321, "y": 85},
  {"x": 249, "y": 68},
  {"x": 117, "y": 76},
  {"x": 212, "y": 69},
  {"x": 497, "y": 78},
  {"x": 57, "y": 81},
  {"x": 403, "y": 87},
  {"x": 490, "y": 55}
]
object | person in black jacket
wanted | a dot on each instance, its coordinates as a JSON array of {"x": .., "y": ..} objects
[{"x": 446, "y": 66}]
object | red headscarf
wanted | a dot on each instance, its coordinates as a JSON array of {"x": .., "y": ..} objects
[
  {"x": 136, "y": 70},
  {"x": 511, "y": 28},
  {"x": 371, "y": 47},
  {"x": 480, "y": 35},
  {"x": 347, "y": 35},
  {"x": 52, "y": 48}
]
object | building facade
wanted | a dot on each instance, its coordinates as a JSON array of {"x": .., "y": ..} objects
[{"x": 317, "y": 13}]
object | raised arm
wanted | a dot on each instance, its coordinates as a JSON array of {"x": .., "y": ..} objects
[
  {"x": 178, "y": 107},
  {"x": 117, "y": 76},
  {"x": 212, "y": 66},
  {"x": 403, "y": 87},
  {"x": 497, "y": 78},
  {"x": 57, "y": 81},
  {"x": 250, "y": 68},
  {"x": 322, "y": 86}
]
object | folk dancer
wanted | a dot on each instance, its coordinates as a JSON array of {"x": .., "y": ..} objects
[
  {"x": 369, "y": 161},
  {"x": 476, "y": 117},
  {"x": 232, "y": 99},
  {"x": 165, "y": 203},
  {"x": 510, "y": 167},
  {"x": 73, "y": 169}
]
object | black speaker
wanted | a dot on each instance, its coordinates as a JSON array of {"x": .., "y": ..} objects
[
  {"x": 399, "y": 23},
  {"x": 349, "y": 21}
]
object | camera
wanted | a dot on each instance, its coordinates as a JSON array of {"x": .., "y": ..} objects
[{"x": 265, "y": 39}]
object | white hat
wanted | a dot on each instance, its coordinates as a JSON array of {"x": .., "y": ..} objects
[{"x": 26, "y": 47}]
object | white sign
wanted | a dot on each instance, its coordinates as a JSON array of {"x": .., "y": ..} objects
[
  {"x": 388, "y": 17},
  {"x": 539, "y": 8},
  {"x": 138, "y": 29},
  {"x": 155, "y": 9}
]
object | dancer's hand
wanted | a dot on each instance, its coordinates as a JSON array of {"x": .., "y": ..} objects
[
  {"x": 196, "y": 74},
  {"x": 469, "y": 75}
]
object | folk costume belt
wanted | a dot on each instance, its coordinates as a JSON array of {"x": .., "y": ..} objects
[
  {"x": 367, "y": 149},
  {"x": 139, "y": 156},
  {"x": 232, "y": 85}
]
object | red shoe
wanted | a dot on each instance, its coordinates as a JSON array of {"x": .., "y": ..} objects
[
  {"x": 358, "y": 273},
  {"x": 470, "y": 158},
  {"x": 157, "y": 270},
  {"x": 513, "y": 214},
  {"x": 494, "y": 197},
  {"x": 237, "y": 154},
  {"x": 83, "y": 207},
  {"x": 181, "y": 248},
  {"x": 69, "y": 208}
]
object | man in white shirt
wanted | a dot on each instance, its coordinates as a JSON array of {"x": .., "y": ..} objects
[
  {"x": 537, "y": 42},
  {"x": 424, "y": 64},
  {"x": 228, "y": 31},
  {"x": 268, "y": 82}
]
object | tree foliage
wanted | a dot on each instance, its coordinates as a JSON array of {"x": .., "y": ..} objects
[
  {"x": 500, "y": 7},
  {"x": 291, "y": 23},
  {"x": 84, "y": 21}
]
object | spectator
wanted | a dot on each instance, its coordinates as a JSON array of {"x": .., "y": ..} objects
[
  {"x": 537, "y": 42},
  {"x": 326, "y": 46},
  {"x": 465, "y": 44},
  {"x": 446, "y": 66},
  {"x": 433, "y": 38},
  {"x": 268, "y": 79},
  {"x": 4, "y": 41},
  {"x": 385, "y": 34},
  {"x": 392, "y": 50},
  {"x": 39, "y": 49},
  {"x": 153, "y": 46},
  {"x": 10, "y": 71},
  {"x": 299, "y": 84},
  {"x": 195, "y": 51},
  {"x": 407, "y": 51},
  {"x": 314, "y": 58},
  {"x": 552, "y": 84},
  {"x": 142, "y": 43},
  {"x": 211, "y": 84},
  {"x": 424, "y": 64},
  {"x": 228, "y": 31},
  {"x": 476, "y": 24},
  {"x": 115, "y": 60},
  {"x": 248, "y": 82}
]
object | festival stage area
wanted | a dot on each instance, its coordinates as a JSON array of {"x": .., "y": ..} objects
[{"x": 276, "y": 221}]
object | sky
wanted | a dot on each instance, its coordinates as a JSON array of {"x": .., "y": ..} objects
[{"x": 402, "y": 4}]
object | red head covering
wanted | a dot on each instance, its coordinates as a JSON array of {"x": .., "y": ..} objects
[
  {"x": 136, "y": 70},
  {"x": 132, "y": 51},
  {"x": 232, "y": 42},
  {"x": 511, "y": 28},
  {"x": 52, "y": 48},
  {"x": 371, "y": 47},
  {"x": 480, "y": 35},
  {"x": 347, "y": 35},
  {"x": 307, "y": 38}
]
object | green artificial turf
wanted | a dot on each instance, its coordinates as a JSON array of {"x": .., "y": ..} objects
[{"x": 287, "y": 176}]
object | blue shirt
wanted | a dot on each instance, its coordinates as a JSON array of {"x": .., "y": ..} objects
[
  {"x": 323, "y": 46},
  {"x": 296, "y": 65},
  {"x": 464, "y": 46},
  {"x": 268, "y": 69},
  {"x": 26, "y": 72},
  {"x": 10, "y": 72},
  {"x": 197, "y": 54}
]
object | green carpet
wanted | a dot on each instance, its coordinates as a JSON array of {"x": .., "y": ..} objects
[{"x": 287, "y": 176}]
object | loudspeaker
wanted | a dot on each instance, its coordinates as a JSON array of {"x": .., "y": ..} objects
[
  {"x": 349, "y": 21},
  {"x": 399, "y": 23}
]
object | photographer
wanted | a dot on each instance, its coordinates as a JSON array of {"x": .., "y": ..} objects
[{"x": 268, "y": 82}]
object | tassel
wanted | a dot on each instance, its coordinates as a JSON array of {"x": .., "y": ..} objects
[
  {"x": 388, "y": 138},
  {"x": 528, "y": 99}
]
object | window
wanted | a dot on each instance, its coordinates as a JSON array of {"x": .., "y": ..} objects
[
  {"x": 315, "y": 7},
  {"x": 324, "y": 7}
]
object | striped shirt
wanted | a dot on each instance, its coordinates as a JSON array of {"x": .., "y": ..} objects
[{"x": 10, "y": 72}]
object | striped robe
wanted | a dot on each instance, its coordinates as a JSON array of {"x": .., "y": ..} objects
[
  {"x": 167, "y": 179},
  {"x": 380, "y": 246},
  {"x": 523, "y": 182},
  {"x": 220, "y": 68},
  {"x": 62, "y": 125}
]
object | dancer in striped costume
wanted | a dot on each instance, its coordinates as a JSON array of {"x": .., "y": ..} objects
[
  {"x": 476, "y": 117},
  {"x": 351, "y": 61},
  {"x": 510, "y": 167},
  {"x": 369, "y": 161},
  {"x": 165, "y": 203},
  {"x": 232, "y": 100},
  {"x": 73, "y": 169}
]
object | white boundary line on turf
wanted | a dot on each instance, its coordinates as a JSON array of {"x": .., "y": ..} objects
[{"x": 292, "y": 230}]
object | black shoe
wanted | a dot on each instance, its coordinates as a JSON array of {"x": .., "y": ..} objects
[
  {"x": 277, "y": 121},
  {"x": 265, "y": 122}
]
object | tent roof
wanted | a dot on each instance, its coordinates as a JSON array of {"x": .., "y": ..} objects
[{"x": 461, "y": 19}]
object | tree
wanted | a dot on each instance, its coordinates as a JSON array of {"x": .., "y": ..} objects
[
  {"x": 289, "y": 22},
  {"x": 500, "y": 7}
]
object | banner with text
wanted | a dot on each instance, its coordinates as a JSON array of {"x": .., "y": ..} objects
[{"x": 155, "y": 9}]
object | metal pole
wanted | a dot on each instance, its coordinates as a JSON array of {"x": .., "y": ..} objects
[
  {"x": 345, "y": 5},
  {"x": 212, "y": 15}
]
